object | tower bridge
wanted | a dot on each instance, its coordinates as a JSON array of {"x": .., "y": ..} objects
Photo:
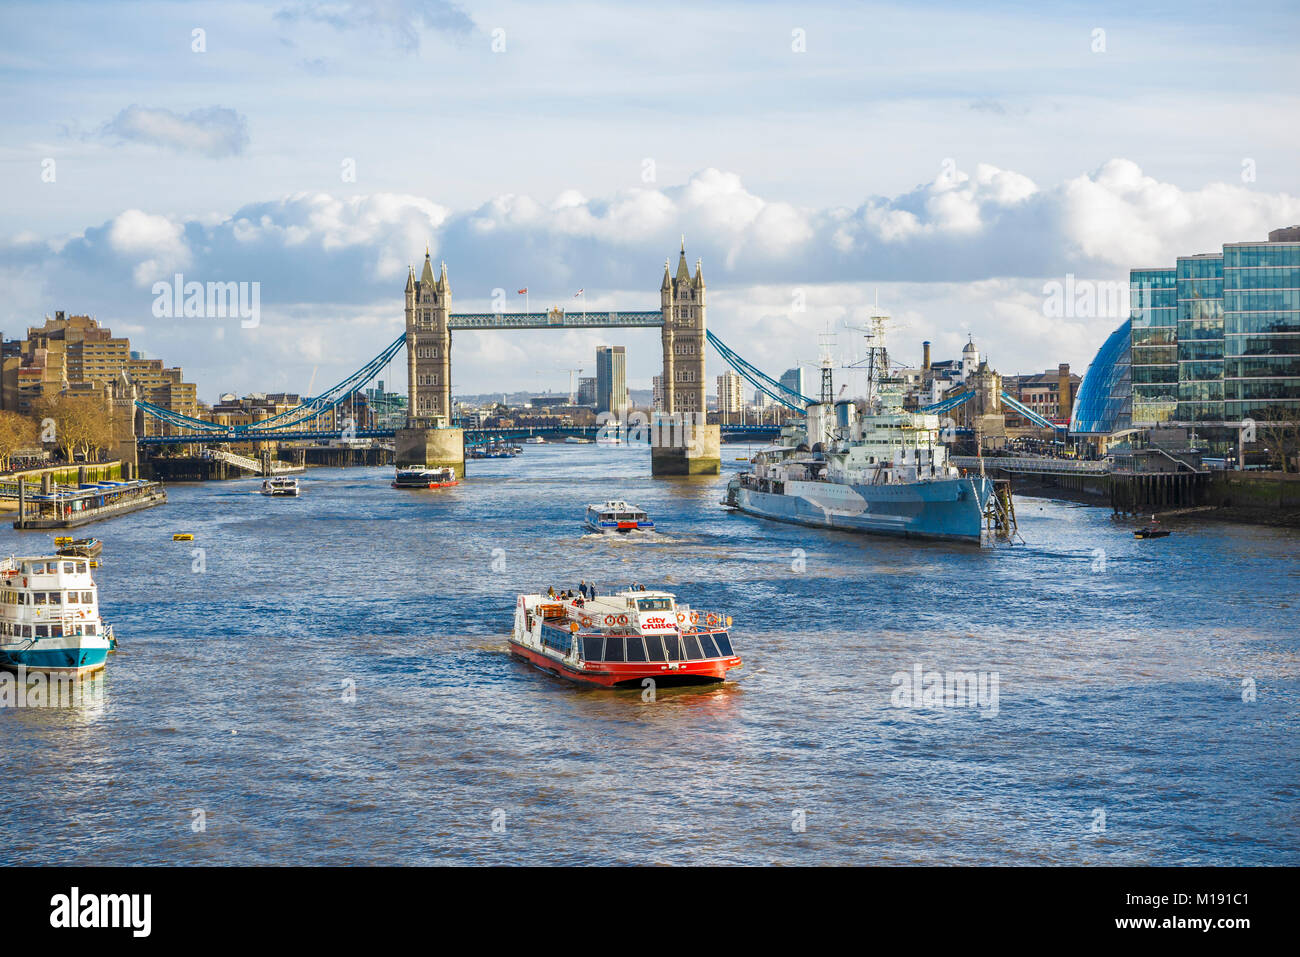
[{"x": 430, "y": 437}]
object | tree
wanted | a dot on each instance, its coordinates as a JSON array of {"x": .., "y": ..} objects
[
  {"x": 16, "y": 432},
  {"x": 82, "y": 423},
  {"x": 1278, "y": 430}
]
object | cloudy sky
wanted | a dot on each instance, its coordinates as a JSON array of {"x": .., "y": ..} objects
[{"x": 950, "y": 162}]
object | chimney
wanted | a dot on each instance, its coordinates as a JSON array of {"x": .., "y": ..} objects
[
  {"x": 925, "y": 356},
  {"x": 1064, "y": 401}
]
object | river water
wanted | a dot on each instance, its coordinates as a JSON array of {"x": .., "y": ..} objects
[{"x": 325, "y": 680}]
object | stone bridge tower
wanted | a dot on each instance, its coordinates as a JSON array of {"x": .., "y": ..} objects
[
  {"x": 429, "y": 438},
  {"x": 428, "y": 348},
  {"x": 682, "y": 299}
]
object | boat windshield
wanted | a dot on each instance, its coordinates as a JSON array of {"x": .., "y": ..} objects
[{"x": 654, "y": 604}]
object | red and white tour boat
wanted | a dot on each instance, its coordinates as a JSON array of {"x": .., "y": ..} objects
[
  {"x": 422, "y": 477},
  {"x": 622, "y": 639}
]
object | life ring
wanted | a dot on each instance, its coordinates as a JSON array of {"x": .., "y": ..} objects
[
  {"x": 712, "y": 619},
  {"x": 586, "y": 622},
  {"x": 622, "y": 619},
  {"x": 680, "y": 617},
  {"x": 609, "y": 619},
  {"x": 695, "y": 617}
]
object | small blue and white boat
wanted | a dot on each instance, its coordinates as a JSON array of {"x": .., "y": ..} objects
[
  {"x": 618, "y": 516},
  {"x": 49, "y": 616}
]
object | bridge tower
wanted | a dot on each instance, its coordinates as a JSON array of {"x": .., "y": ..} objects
[
  {"x": 683, "y": 443},
  {"x": 429, "y": 438},
  {"x": 428, "y": 347},
  {"x": 681, "y": 297}
]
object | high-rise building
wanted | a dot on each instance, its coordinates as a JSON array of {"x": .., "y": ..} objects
[
  {"x": 794, "y": 379},
  {"x": 731, "y": 396},
  {"x": 611, "y": 379},
  {"x": 1214, "y": 341},
  {"x": 587, "y": 390}
]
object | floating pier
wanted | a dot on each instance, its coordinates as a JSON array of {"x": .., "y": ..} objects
[{"x": 52, "y": 506}]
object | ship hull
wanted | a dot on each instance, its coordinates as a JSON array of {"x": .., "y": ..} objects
[
  {"x": 941, "y": 510},
  {"x": 71, "y": 661},
  {"x": 628, "y": 674}
]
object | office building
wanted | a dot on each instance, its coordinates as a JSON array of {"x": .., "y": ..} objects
[{"x": 611, "y": 379}]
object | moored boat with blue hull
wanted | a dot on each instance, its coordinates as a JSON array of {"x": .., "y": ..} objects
[{"x": 49, "y": 616}]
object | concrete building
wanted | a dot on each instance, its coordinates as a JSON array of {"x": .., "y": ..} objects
[
  {"x": 731, "y": 395},
  {"x": 587, "y": 390},
  {"x": 611, "y": 380},
  {"x": 75, "y": 353},
  {"x": 1051, "y": 393}
]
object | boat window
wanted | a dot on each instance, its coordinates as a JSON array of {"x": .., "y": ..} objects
[
  {"x": 635, "y": 651},
  {"x": 655, "y": 604},
  {"x": 81, "y": 568},
  {"x": 56, "y": 598},
  {"x": 654, "y": 648},
  {"x": 672, "y": 647},
  {"x": 90, "y": 629},
  {"x": 710, "y": 650},
  {"x": 724, "y": 644},
  {"x": 56, "y": 631},
  {"x": 74, "y": 598},
  {"x": 591, "y": 648},
  {"x": 39, "y": 598},
  {"x": 69, "y": 567},
  {"x": 692, "y": 648},
  {"x": 27, "y": 631},
  {"x": 87, "y": 597},
  {"x": 42, "y": 631},
  {"x": 614, "y": 648}
]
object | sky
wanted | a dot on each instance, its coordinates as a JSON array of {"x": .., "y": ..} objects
[{"x": 954, "y": 165}]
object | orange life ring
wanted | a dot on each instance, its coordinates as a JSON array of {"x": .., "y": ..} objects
[
  {"x": 712, "y": 619},
  {"x": 680, "y": 618},
  {"x": 586, "y": 622},
  {"x": 622, "y": 619},
  {"x": 695, "y": 617},
  {"x": 609, "y": 619}
]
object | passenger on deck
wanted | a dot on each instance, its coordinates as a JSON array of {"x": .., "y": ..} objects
[{"x": 550, "y": 591}]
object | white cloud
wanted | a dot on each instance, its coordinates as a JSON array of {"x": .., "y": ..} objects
[
  {"x": 214, "y": 131},
  {"x": 964, "y": 252}
]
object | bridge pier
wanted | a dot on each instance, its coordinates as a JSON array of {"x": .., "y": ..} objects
[
  {"x": 431, "y": 448},
  {"x": 679, "y": 445}
]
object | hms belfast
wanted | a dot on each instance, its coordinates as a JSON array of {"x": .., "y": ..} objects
[{"x": 866, "y": 465}]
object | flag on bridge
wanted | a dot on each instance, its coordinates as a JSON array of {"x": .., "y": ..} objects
[
  {"x": 577, "y": 294},
  {"x": 524, "y": 291}
]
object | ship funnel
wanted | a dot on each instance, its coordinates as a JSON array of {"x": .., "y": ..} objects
[{"x": 846, "y": 418}]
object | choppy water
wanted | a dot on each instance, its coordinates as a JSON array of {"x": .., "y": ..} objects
[{"x": 1119, "y": 673}]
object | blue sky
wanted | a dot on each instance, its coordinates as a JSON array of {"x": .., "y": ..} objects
[{"x": 951, "y": 160}]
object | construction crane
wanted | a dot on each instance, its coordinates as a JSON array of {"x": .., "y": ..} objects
[{"x": 573, "y": 392}]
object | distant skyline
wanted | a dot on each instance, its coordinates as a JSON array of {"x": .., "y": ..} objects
[{"x": 951, "y": 161}]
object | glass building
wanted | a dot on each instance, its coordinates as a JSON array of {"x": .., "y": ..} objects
[
  {"x": 1261, "y": 328},
  {"x": 1199, "y": 293},
  {"x": 611, "y": 379},
  {"x": 1153, "y": 316},
  {"x": 1103, "y": 404},
  {"x": 1214, "y": 340}
]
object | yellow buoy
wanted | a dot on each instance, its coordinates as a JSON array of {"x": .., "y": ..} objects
[{"x": 182, "y": 537}]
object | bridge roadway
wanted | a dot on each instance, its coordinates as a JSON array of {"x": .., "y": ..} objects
[
  {"x": 555, "y": 319},
  {"x": 473, "y": 436},
  {"x": 1037, "y": 465}
]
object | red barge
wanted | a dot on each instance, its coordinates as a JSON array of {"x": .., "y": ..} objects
[{"x": 620, "y": 640}]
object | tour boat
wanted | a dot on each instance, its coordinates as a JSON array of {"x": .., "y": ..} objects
[
  {"x": 535, "y": 440},
  {"x": 280, "y": 486},
  {"x": 49, "y": 616},
  {"x": 622, "y": 639},
  {"x": 618, "y": 517},
  {"x": 421, "y": 477},
  {"x": 78, "y": 547}
]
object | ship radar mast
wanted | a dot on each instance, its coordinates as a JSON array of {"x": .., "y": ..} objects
[{"x": 883, "y": 387}]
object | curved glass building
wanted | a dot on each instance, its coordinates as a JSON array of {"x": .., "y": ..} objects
[{"x": 1105, "y": 401}]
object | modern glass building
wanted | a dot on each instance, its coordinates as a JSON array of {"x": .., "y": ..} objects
[
  {"x": 1213, "y": 340},
  {"x": 1261, "y": 328},
  {"x": 1103, "y": 404},
  {"x": 1199, "y": 290},
  {"x": 611, "y": 379},
  {"x": 1153, "y": 317}
]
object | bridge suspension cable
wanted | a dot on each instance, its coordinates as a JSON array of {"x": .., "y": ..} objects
[
  {"x": 291, "y": 419},
  {"x": 784, "y": 395}
]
